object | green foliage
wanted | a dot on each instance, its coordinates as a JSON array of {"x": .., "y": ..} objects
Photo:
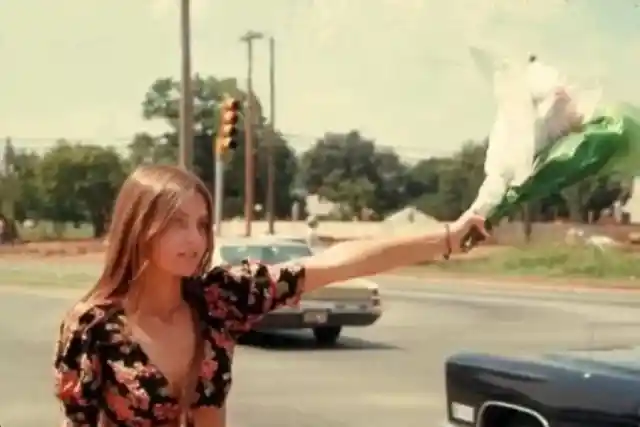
[
  {"x": 70, "y": 183},
  {"x": 28, "y": 198},
  {"x": 554, "y": 261},
  {"x": 350, "y": 170},
  {"x": 79, "y": 183}
]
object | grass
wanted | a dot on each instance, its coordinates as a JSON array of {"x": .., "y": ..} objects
[
  {"x": 44, "y": 272},
  {"x": 552, "y": 261}
]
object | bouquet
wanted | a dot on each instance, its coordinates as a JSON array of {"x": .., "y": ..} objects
[{"x": 547, "y": 136}]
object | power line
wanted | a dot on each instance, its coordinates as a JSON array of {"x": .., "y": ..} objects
[
  {"x": 407, "y": 154},
  {"x": 293, "y": 140}
]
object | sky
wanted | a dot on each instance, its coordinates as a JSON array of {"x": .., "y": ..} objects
[{"x": 399, "y": 71}]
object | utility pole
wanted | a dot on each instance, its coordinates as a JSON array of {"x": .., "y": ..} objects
[
  {"x": 218, "y": 189},
  {"x": 186, "y": 91},
  {"x": 249, "y": 171},
  {"x": 8, "y": 184},
  {"x": 272, "y": 137}
]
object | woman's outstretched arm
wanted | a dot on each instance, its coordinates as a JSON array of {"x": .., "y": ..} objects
[{"x": 372, "y": 256}]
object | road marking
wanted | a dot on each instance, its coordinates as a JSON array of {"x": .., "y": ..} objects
[
  {"x": 63, "y": 293},
  {"x": 426, "y": 286},
  {"x": 402, "y": 400},
  {"x": 397, "y": 400},
  {"x": 504, "y": 284}
]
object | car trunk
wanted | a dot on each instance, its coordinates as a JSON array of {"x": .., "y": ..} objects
[{"x": 343, "y": 291}]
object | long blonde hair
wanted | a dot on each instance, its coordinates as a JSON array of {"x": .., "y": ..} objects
[{"x": 146, "y": 202}]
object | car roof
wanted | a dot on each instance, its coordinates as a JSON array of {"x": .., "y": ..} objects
[{"x": 259, "y": 240}]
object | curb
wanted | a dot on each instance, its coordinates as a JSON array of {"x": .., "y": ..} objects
[{"x": 529, "y": 282}]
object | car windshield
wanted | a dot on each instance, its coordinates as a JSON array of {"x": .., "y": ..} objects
[{"x": 268, "y": 254}]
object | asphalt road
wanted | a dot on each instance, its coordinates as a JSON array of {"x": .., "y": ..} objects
[{"x": 388, "y": 374}]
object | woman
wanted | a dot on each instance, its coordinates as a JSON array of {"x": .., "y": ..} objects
[{"x": 152, "y": 342}]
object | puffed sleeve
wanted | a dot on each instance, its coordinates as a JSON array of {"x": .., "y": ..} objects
[
  {"x": 242, "y": 296},
  {"x": 77, "y": 372}
]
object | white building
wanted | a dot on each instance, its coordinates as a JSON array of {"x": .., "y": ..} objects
[{"x": 632, "y": 207}]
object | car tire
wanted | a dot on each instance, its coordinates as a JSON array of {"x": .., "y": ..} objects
[{"x": 327, "y": 335}]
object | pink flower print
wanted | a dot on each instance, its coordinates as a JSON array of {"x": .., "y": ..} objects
[
  {"x": 90, "y": 367},
  {"x": 222, "y": 340},
  {"x": 140, "y": 398},
  {"x": 119, "y": 405},
  {"x": 166, "y": 411},
  {"x": 214, "y": 299},
  {"x": 208, "y": 369},
  {"x": 124, "y": 375},
  {"x": 142, "y": 370},
  {"x": 68, "y": 387},
  {"x": 212, "y": 294}
]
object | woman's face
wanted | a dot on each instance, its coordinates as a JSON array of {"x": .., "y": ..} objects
[{"x": 180, "y": 248}]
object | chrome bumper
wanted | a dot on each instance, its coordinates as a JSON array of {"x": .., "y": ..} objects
[{"x": 314, "y": 315}]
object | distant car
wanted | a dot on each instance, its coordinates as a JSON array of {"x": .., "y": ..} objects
[
  {"x": 325, "y": 311},
  {"x": 287, "y": 237},
  {"x": 596, "y": 388}
]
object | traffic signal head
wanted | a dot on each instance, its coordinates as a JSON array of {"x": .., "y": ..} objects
[{"x": 227, "y": 131}]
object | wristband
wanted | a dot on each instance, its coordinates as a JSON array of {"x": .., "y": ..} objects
[{"x": 447, "y": 237}]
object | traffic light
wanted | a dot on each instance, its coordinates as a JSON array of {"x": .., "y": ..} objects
[{"x": 227, "y": 132}]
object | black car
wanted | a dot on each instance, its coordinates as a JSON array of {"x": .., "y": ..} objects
[{"x": 598, "y": 388}]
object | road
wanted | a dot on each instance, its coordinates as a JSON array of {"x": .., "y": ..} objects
[{"x": 387, "y": 374}]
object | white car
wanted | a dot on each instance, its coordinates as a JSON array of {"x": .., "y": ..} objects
[{"x": 325, "y": 311}]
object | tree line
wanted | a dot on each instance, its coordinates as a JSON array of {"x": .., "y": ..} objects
[{"x": 76, "y": 182}]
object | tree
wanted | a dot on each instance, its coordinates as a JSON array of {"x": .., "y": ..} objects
[
  {"x": 446, "y": 187},
  {"x": 285, "y": 165},
  {"x": 587, "y": 199},
  {"x": 424, "y": 177},
  {"x": 9, "y": 191},
  {"x": 146, "y": 148},
  {"x": 162, "y": 103},
  {"x": 29, "y": 204},
  {"x": 350, "y": 170},
  {"x": 79, "y": 183}
]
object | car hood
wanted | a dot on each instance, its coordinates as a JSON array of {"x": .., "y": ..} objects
[{"x": 623, "y": 360}]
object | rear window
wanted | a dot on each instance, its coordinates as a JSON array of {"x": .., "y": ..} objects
[{"x": 267, "y": 254}]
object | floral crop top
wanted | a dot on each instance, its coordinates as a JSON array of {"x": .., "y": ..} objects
[{"x": 100, "y": 371}]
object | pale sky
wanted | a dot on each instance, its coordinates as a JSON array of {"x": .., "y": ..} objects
[{"x": 397, "y": 70}]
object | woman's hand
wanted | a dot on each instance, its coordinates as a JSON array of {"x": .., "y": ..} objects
[{"x": 461, "y": 229}]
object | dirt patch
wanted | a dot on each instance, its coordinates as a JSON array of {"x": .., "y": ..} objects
[
  {"x": 67, "y": 248},
  {"x": 483, "y": 252},
  {"x": 93, "y": 249},
  {"x": 430, "y": 274}
]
